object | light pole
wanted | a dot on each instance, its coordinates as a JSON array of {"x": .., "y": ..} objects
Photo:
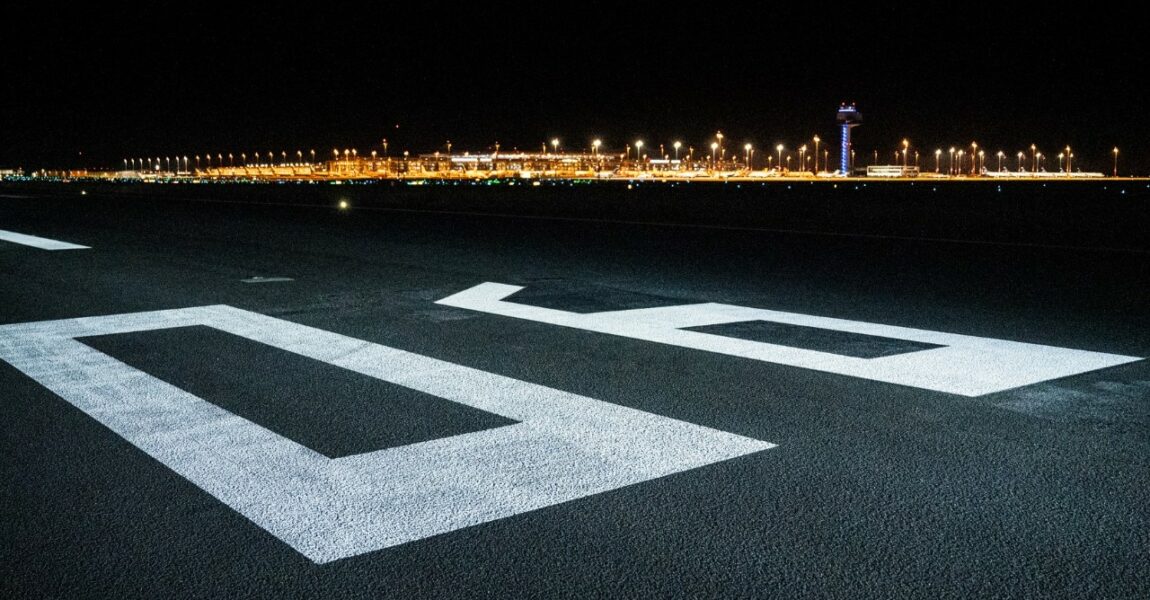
[
  {"x": 937, "y": 155},
  {"x": 554, "y": 145},
  {"x": 780, "y": 149},
  {"x": 905, "y": 153},
  {"x": 961, "y": 153},
  {"x": 981, "y": 161},
  {"x": 595, "y": 147},
  {"x": 719, "y": 138},
  {"x": 714, "y": 147},
  {"x": 973, "y": 158},
  {"x": 639, "y": 153},
  {"x": 1115, "y": 151},
  {"x": 676, "y": 146},
  {"x": 747, "y": 157},
  {"x": 1069, "y": 155},
  {"x": 1000, "y": 156},
  {"x": 950, "y": 166},
  {"x": 1034, "y": 158},
  {"x": 803, "y": 157},
  {"x": 1039, "y": 155},
  {"x": 817, "y": 140},
  {"x": 1060, "y": 155}
]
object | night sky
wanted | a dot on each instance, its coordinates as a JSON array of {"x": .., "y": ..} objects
[{"x": 91, "y": 87}]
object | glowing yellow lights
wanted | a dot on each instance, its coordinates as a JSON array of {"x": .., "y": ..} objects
[
  {"x": 678, "y": 145},
  {"x": 343, "y": 204},
  {"x": 747, "y": 147},
  {"x": 779, "y": 147},
  {"x": 817, "y": 140},
  {"x": 714, "y": 145}
]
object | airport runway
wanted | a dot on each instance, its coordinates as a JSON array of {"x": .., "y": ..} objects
[{"x": 227, "y": 400}]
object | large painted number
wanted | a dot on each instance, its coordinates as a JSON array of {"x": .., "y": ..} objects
[
  {"x": 964, "y": 364},
  {"x": 564, "y": 446}
]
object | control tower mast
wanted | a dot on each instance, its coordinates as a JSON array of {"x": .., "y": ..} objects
[{"x": 848, "y": 118}]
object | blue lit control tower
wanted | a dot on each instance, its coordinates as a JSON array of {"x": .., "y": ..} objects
[{"x": 848, "y": 118}]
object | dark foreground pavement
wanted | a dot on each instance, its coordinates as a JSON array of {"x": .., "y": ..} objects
[{"x": 873, "y": 490}]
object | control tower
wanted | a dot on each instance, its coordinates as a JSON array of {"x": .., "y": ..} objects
[{"x": 848, "y": 118}]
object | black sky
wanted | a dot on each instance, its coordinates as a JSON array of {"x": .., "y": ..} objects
[{"x": 117, "y": 81}]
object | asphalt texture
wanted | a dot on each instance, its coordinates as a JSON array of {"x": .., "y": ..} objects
[{"x": 874, "y": 489}]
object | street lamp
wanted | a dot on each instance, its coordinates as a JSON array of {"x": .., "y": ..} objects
[
  {"x": 817, "y": 140},
  {"x": 780, "y": 149},
  {"x": 555, "y": 145},
  {"x": 937, "y": 155},
  {"x": 905, "y": 152},
  {"x": 676, "y": 146},
  {"x": 747, "y": 156},
  {"x": 1115, "y": 151},
  {"x": 1060, "y": 155},
  {"x": 981, "y": 161},
  {"x": 714, "y": 147},
  {"x": 595, "y": 146},
  {"x": 1034, "y": 157},
  {"x": 951, "y": 169},
  {"x": 1068, "y": 161},
  {"x": 973, "y": 158},
  {"x": 803, "y": 157},
  {"x": 639, "y": 153}
]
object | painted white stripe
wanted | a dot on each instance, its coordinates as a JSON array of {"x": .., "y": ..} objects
[
  {"x": 258, "y": 279},
  {"x": 38, "y": 242},
  {"x": 564, "y": 447},
  {"x": 966, "y": 365}
]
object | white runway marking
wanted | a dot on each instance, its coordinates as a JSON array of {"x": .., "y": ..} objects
[
  {"x": 966, "y": 365},
  {"x": 258, "y": 279},
  {"x": 564, "y": 447},
  {"x": 38, "y": 242}
]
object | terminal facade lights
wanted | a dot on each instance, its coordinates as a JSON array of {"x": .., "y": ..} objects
[{"x": 848, "y": 118}]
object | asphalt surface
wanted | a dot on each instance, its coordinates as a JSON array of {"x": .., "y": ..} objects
[{"x": 873, "y": 490}]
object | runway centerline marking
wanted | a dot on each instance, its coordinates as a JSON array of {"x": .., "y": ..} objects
[
  {"x": 564, "y": 446},
  {"x": 965, "y": 365},
  {"x": 38, "y": 242}
]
